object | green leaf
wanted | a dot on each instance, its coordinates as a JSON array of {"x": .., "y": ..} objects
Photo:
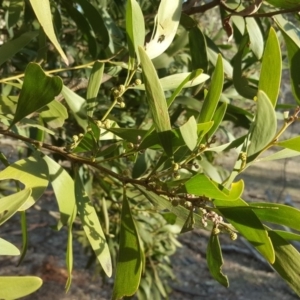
[
  {"x": 155, "y": 95},
  {"x": 77, "y": 105},
  {"x": 248, "y": 224},
  {"x": 9, "y": 205},
  {"x": 135, "y": 28},
  {"x": 217, "y": 118},
  {"x": 14, "y": 287},
  {"x": 92, "y": 227},
  {"x": 172, "y": 82},
  {"x": 63, "y": 187},
  {"x": 291, "y": 36},
  {"x": 281, "y": 214},
  {"x": 201, "y": 185},
  {"x": 198, "y": 49},
  {"x": 290, "y": 236},
  {"x": 10, "y": 48},
  {"x": 271, "y": 65},
  {"x": 33, "y": 173},
  {"x": 287, "y": 261},
  {"x": 255, "y": 36},
  {"x": 293, "y": 143},
  {"x": 264, "y": 126},
  {"x": 42, "y": 11},
  {"x": 191, "y": 79},
  {"x": 37, "y": 91},
  {"x": 129, "y": 265},
  {"x": 213, "y": 96},
  {"x": 95, "y": 19},
  {"x": 54, "y": 114},
  {"x": 189, "y": 133},
  {"x": 166, "y": 24},
  {"x": 284, "y": 3},
  {"x": 14, "y": 11},
  {"x": 215, "y": 260},
  {"x": 69, "y": 252},
  {"x": 240, "y": 82},
  {"x": 7, "y": 248},
  {"x": 94, "y": 86},
  {"x": 285, "y": 153}
]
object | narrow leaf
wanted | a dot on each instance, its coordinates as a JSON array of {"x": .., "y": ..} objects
[
  {"x": 271, "y": 66},
  {"x": 43, "y": 13},
  {"x": 287, "y": 261},
  {"x": 129, "y": 265},
  {"x": 92, "y": 227},
  {"x": 215, "y": 260},
  {"x": 155, "y": 95},
  {"x": 213, "y": 96},
  {"x": 10, "y": 48},
  {"x": 189, "y": 133},
  {"x": 264, "y": 127},
  {"x": 293, "y": 143},
  {"x": 94, "y": 86}
]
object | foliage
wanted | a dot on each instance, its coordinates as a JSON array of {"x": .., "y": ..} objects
[{"x": 134, "y": 95}]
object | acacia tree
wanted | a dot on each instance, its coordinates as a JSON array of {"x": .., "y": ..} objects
[{"x": 133, "y": 95}]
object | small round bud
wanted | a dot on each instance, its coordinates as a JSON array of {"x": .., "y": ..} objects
[
  {"x": 204, "y": 223},
  {"x": 107, "y": 124},
  {"x": 99, "y": 123},
  {"x": 182, "y": 202},
  {"x": 80, "y": 135},
  {"x": 120, "y": 99},
  {"x": 138, "y": 82},
  {"x": 175, "y": 166},
  {"x": 176, "y": 175},
  {"x": 88, "y": 129},
  {"x": 122, "y": 104},
  {"x": 286, "y": 115},
  {"x": 216, "y": 231},
  {"x": 115, "y": 92},
  {"x": 130, "y": 146},
  {"x": 188, "y": 204},
  {"x": 201, "y": 147},
  {"x": 175, "y": 202},
  {"x": 75, "y": 138},
  {"x": 233, "y": 236},
  {"x": 122, "y": 88}
]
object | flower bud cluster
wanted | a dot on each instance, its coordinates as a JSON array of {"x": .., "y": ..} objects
[{"x": 210, "y": 216}]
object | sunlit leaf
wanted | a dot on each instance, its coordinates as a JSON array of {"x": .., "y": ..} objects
[
  {"x": 213, "y": 96},
  {"x": 255, "y": 36},
  {"x": 54, "y": 114},
  {"x": 201, "y": 185},
  {"x": 166, "y": 25},
  {"x": 33, "y": 173},
  {"x": 63, "y": 187},
  {"x": 9, "y": 205},
  {"x": 248, "y": 224},
  {"x": 271, "y": 66},
  {"x": 264, "y": 127},
  {"x": 135, "y": 28},
  {"x": 281, "y": 214},
  {"x": 92, "y": 227},
  {"x": 14, "y": 287},
  {"x": 7, "y": 248},
  {"x": 42, "y": 11},
  {"x": 189, "y": 133},
  {"x": 155, "y": 95},
  {"x": 285, "y": 4}
]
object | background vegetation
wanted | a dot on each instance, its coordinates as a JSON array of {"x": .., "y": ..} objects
[{"x": 122, "y": 107}]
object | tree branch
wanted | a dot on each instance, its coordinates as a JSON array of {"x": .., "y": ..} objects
[{"x": 202, "y": 8}]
